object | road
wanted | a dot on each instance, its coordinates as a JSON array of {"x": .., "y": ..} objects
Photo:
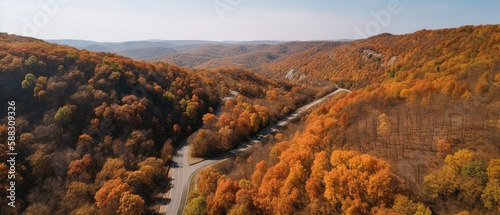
[{"x": 182, "y": 172}]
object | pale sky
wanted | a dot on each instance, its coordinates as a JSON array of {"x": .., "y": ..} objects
[{"x": 236, "y": 20}]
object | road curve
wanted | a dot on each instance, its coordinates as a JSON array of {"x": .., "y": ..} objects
[{"x": 182, "y": 171}]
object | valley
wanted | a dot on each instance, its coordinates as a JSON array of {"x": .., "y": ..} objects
[
  {"x": 182, "y": 169},
  {"x": 107, "y": 128}
]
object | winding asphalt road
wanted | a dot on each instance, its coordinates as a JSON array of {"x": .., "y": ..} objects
[{"x": 182, "y": 172}]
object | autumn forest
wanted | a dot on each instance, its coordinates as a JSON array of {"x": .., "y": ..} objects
[{"x": 96, "y": 132}]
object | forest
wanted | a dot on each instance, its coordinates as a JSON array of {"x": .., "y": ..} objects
[
  {"x": 418, "y": 135},
  {"x": 260, "y": 102},
  {"x": 96, "y": 131}
]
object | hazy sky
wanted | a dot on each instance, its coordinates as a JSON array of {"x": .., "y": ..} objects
[{"x": 123, "y": 20}]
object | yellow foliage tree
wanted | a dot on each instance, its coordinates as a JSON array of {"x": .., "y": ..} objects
[
  {"x": 491, "y": 193},
  {"x": 131, "y": 204}
]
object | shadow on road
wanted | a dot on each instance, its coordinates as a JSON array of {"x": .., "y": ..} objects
[{"x": 174, "y": 164}]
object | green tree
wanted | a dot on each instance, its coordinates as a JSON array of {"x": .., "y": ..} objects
[
  {"x": 169, "y": 97},
  {"x": 197, "y": 206},
  {"x": 475, "y": 169},
  {"x": 491, "y": 193},
  {"x": 70, "y": 58},
  {"x": 462, "y": 177},
  {"x": 31, "y": 61},
  {"x": 63, "y": 115},
  {"x": 192, "y": 110},
  {"x": 29, "y": 81}
]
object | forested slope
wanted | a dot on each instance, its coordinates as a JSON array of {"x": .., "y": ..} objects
[
  {"x": 419, "y": 134},
  {"x": 421, "y": 55},
  {"x": 95, "y": 132},
  {"x": 260, "y": 102}
]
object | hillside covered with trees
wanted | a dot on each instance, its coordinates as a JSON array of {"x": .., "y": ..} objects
[
  {"x": 412, "y": 56},
  {"x": 241, "y": 56},
  {"x": 95, "y": 132},
  {"x": 418, "y": 135},
  {"x": 259, "y": 103}
]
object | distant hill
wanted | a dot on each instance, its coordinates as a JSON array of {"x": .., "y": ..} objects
[
  {"x": 203, "y": 54},
  {"x": 145, "y": 53},
  {"x": 207, "y": 54},
  {"x": 140, "y": 50},
  {"x": 242, "y": 55}
]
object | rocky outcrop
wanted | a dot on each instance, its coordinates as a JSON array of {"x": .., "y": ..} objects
[
  {"x": 290, "y": 75},
  {"x": 369, "y": 54},
  {"x": 293, "y": 75},
  {"x": 391, "y": 61}
]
